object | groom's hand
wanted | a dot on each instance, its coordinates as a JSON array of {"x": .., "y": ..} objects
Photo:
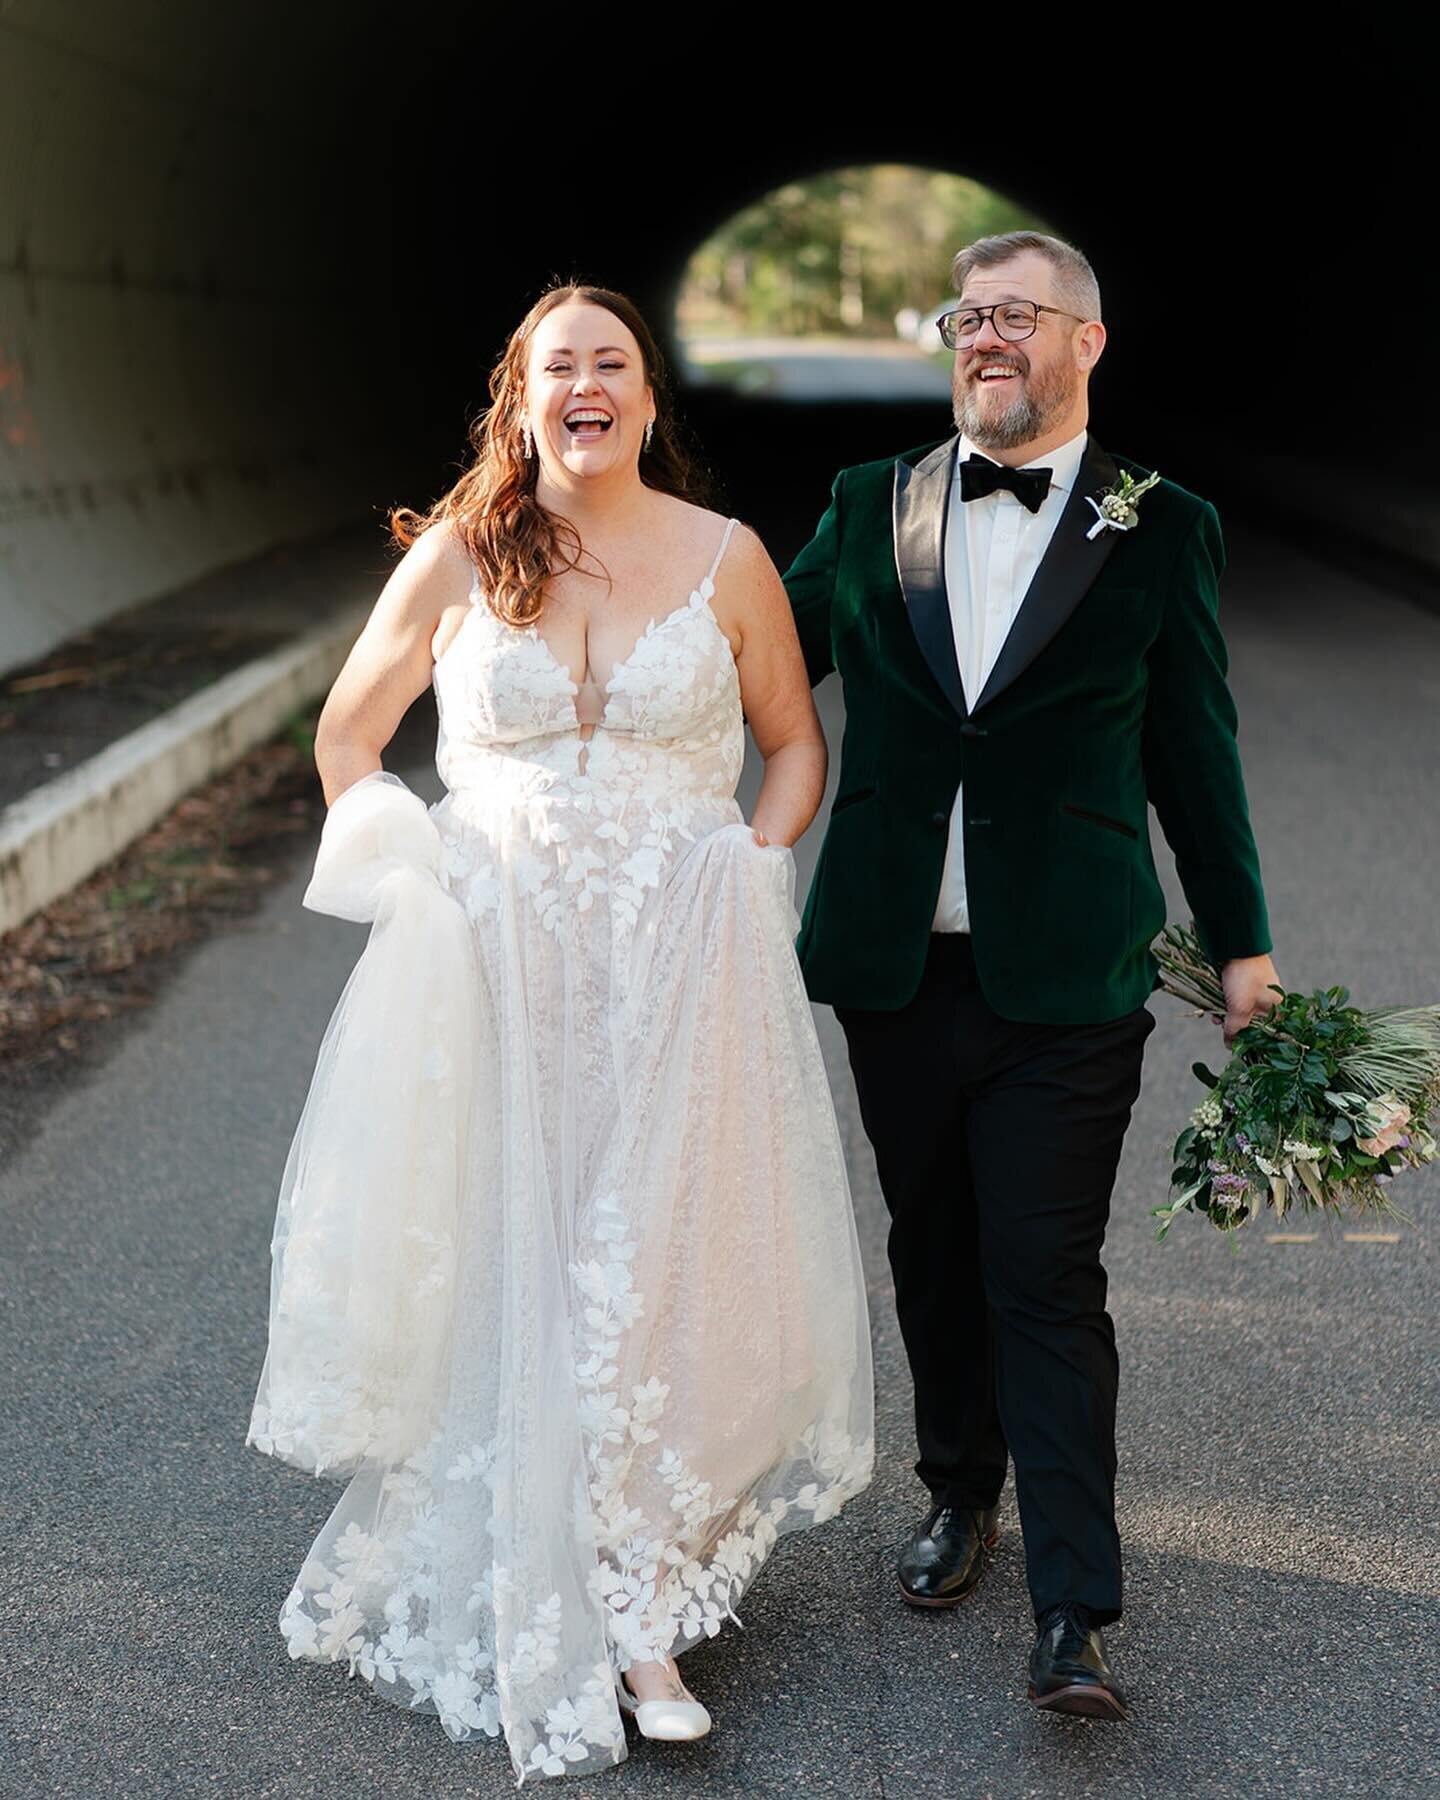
[{"x": 1246, "y": 982}]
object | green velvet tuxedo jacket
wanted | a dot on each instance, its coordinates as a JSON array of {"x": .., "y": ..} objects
[{"x": 1109, "y": 693}]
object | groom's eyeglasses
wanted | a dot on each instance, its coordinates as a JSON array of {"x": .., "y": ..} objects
[{"x": 1012, "y": 319}]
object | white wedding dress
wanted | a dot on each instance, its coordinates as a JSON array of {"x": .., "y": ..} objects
[{"x": 565, "y": 1277}]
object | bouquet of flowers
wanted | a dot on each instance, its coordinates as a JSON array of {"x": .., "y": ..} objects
[{"x": 1319, "y": 1107}]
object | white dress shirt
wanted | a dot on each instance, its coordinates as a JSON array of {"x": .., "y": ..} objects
[{"x": 992, "y": 549}]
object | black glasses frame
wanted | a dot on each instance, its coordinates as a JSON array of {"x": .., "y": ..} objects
[{"x": 945, "y": 323}]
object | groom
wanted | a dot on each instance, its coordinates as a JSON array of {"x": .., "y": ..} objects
[{"x": 1020, "y": 680}]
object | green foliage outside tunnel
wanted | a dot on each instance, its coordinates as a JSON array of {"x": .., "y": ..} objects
[{"x": 843, "y": 254}]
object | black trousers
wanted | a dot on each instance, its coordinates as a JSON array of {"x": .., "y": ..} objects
[{"x": 997, "y": 1145}]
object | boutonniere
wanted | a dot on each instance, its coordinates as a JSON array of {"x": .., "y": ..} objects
[{"x": 1115, "y": 508}]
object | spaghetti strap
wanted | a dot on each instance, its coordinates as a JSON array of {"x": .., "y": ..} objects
[{"x": 710, "y": 578}]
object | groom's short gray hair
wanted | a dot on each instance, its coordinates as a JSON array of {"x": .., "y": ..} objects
[{"x": 1075, "y": 281}]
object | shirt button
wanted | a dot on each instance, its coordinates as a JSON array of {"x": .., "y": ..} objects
[{"x": 940, "y": 818}]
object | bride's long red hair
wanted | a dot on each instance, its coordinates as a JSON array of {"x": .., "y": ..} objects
[{"x": 515, "y": 543}]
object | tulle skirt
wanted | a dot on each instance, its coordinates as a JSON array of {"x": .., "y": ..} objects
[{"x": 565, "y": 1279}]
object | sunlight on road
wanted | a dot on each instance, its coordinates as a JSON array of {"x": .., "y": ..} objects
[{"x": 819, "y": 368}]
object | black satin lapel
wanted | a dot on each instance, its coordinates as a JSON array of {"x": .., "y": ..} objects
[
  {"x": 922, "y": 505},
  {"x": 1070, "y": 564}
]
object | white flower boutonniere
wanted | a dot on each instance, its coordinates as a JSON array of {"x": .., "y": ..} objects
[{"x": 1115, "y": 508}]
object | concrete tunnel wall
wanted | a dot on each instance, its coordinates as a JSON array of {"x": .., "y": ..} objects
[
  {"x": 180, "y": 215},
  {"x": 255, "y": 262}
]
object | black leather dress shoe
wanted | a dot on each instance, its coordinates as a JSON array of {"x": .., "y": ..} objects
[
  {"x": 945, "y": 1558},
  {"x": 1068, "y": 1670}
]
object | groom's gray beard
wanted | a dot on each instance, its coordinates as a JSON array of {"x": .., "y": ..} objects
[{"x": 1025, "y": 419}]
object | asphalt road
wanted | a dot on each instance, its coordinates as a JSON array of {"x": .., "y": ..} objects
[
  {"x": 821, "y": 369},
  {"x": 1278, "y": 1411}
]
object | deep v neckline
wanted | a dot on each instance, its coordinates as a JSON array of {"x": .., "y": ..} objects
[
  {"x": 703, "y": 593},
  {"x": 652, "y": 630}
]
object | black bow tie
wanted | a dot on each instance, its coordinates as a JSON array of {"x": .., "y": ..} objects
[{"x": 979, "y": 477}]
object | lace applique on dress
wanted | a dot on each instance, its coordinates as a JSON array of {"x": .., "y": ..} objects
[{"x": 647, "y": 1354}]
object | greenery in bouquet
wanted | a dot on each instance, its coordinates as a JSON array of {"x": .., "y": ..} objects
[{"x": 1320, "y": 1106}]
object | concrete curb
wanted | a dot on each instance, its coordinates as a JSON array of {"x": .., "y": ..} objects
[{"x": 64, "y": 831}]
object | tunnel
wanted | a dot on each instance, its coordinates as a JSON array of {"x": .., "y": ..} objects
[
  {"x": 257, "y": 259},
  {"x": 255, "y": 266}
]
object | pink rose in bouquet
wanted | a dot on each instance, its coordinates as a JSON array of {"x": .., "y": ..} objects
[{"x": 1394, "y": 1117}]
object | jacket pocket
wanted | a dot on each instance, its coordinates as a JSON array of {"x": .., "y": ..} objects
[
  {"x": 851, "y": 799},
  {"x": 1095, "y": 818}
]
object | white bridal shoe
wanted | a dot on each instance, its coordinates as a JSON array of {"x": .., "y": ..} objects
[{"x": 676, "y": 1720}]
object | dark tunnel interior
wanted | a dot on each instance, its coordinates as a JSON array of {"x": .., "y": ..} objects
[
  {"x": 1241, "y": 248},
  {"x": 331, "y": 218}
]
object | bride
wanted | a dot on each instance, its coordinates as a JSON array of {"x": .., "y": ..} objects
[{"x": 565, "y": 1279}]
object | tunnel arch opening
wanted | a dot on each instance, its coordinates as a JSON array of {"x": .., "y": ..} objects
[{"x": 827, "y": 287}]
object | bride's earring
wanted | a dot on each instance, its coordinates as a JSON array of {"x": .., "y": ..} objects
[
  {"x": 529, "y": 442},
  {"x": 649, "y": 432}
]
